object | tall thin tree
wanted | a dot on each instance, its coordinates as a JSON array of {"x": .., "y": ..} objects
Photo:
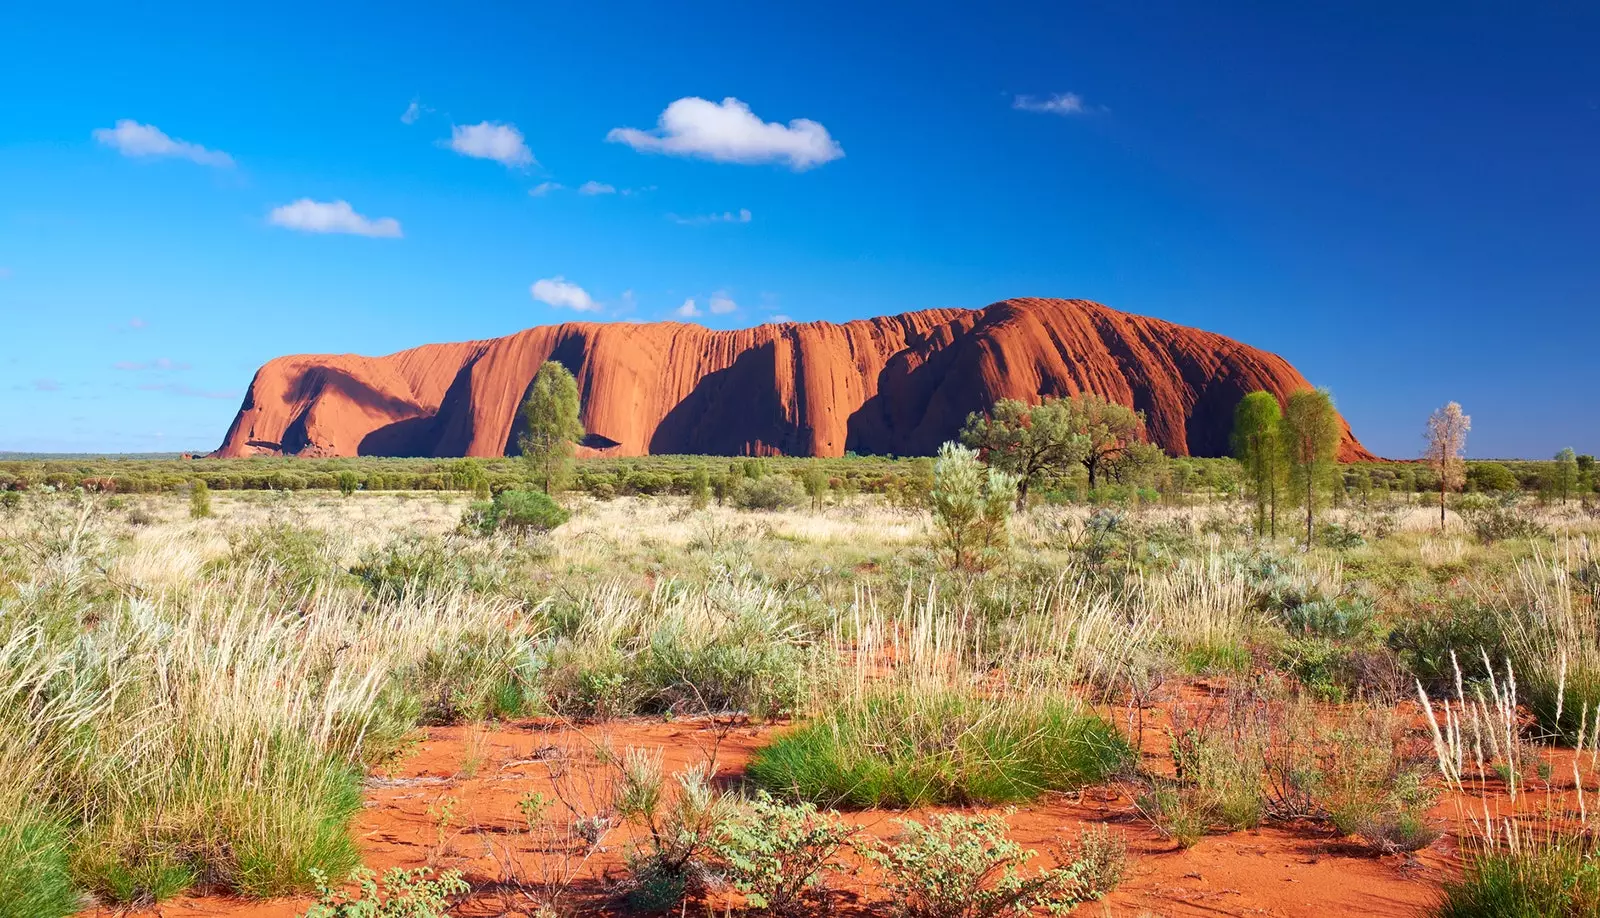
[
  {"x": 1447, "y": 441},
  {"x": 1310, "y": 441},
  {"x": 553, "y": 428},
  {"x": 1256, "y": 424}
]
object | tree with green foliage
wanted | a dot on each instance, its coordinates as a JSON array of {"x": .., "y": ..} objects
[
  {"x": 1564, "y": 476},
  {"x": 468, "y": 475},
  {"x": 1310, "y": 443},
  {"x": 199, "y": 499},
  {"x": 815, "y": 481},
  {"x": 1104, "y": 430},
  {"x": 553, "y": 428},
  {"x": 1447, "y": 440},
  {"x": 1036, "y": 443},
  {"x": 347, "y": 482},
  {"x": 1257, "y": 425}
]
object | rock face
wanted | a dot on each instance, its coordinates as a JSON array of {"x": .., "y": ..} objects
[{"x": 897, "y": 384}]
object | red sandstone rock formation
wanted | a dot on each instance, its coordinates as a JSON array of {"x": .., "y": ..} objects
[{"x": 898, "y": 384}]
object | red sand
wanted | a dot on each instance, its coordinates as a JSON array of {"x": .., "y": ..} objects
[{"x": 1283, "y": 871}]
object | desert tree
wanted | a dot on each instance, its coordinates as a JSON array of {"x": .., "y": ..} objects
[
  {"x": 1104, "y": 428},
  {"x": 1310, "y": 443},
  {"x": 970, "y": 506},
  {"x": 553, "y": 428},
  {"x": 815, "y": 482},
  {"x": 1257, "y": 423},
  {"x": 1447, "y": 442},
  {"x": 1565, "y": 473},
  {"x": 1036, "y": 443}
]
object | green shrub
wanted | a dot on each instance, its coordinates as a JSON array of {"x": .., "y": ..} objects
[
  {"x": 768, "y": 492},
  {"x": 675, "y": 825},
  {"x": 199, "y": 499},
  {"x": 347, "y": 482},
  {"x": 515, "y": 511},
  {"x": 966, "y": 867},
  {"x": 901, "y": 748},
  {"x": 404, "y": 893},
  {"x": 429, "y": 564},
  {"x": 775, "y": 853}
]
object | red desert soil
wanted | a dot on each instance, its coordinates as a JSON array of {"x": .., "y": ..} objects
[
  {"x": 1298, "y": 870},
  {"x": 897, "y": 384}
]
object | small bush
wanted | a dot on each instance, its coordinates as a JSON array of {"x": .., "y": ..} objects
[
  {"x": 528, "y": 511},
  {"x": 404, "y": 894},
  {"x": 769, "y": 492},
  {"x": 1101, "y": 857},
  {"x": 199, "y": 499},
  {"x": 514, "y": 511},
  {"x": 906, "y": 749},
  {"x": 675, "y": 828},
  {"x": 966, "y": 867},
  {"x": 775, "y": 853}
]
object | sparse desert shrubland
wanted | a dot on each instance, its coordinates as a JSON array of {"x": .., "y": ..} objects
[{"x": 775, "y": 690}]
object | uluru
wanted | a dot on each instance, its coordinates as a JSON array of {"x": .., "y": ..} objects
[{"x": 898, "y": 384}]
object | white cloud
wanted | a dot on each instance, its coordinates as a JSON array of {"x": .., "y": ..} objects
[
  {"x": 727, "y": 216},
  {"x": 413, "y": 112},
  {"x": 310, "y": 216},
  {"x": 544, "y": 188},
  {"x": 500, "y": 142},
  {"x": 721, "y": 303},
  {"x": 130, "y": 138},
  {"x": 1060, "y": 103},
  {"x": 730, "y": 133},
  {"x": 562, "y": 294},
  {"x": 592, "y": 187},
  {"x": 780, "y": 317},
  {"x": 688, "y": 310}
]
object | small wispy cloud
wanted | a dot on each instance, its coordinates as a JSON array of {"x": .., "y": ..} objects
[
  {"x": 46, "y": 385},
  {"x": 1060, "y": 103},
  {"x": 502, "y": 143},
  {"x": 187, "y": 391},
  {"x": 780, "y": 317},
  {"x": 562, "y": 294},
  {"x": 688, "y": 310},
  {"x": 137, "y": 323},
  {"x": 721, "y": 303},
  {"x": 130, "y": 138},
  {"x": 544, "y": 188},
  {"x": 160, "y": 364},
  {"x": 742, "y": 215},
  {"x": 308, "y": 216},
  {"x": 593, "y": 187},
  {"x": 414, "y": 112},
  {"x": 5, "y": 273},
  {"x": 730, "y": 132}
]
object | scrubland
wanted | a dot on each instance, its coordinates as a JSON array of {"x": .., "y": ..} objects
[{"x": 655, "y": 709}]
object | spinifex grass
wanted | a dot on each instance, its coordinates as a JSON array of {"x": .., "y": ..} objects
[
  {"x": 1534, "y": 878},
  {"x": 900, "y": 748}
]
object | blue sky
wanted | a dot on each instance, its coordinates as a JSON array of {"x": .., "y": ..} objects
[{"x": 1402, "y": 201}]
